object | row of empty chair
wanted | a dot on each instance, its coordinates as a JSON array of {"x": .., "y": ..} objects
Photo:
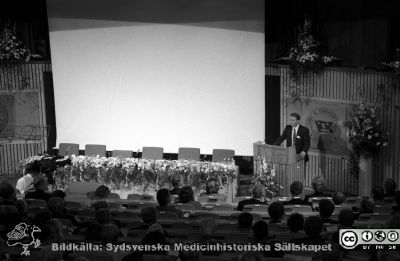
[{"x": 152, "y": 153}]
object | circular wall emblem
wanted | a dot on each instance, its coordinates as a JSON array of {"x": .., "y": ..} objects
[
  {"x": 324, "y": 129},
  {"x": 3, "y": 117}
]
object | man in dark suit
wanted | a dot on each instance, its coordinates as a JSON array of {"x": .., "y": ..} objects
[{"x": 296, "y": 135}]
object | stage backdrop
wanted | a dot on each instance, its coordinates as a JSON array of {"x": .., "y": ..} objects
[{"x": 128, "y": 74}]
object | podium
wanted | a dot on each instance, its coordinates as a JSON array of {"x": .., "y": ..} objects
[{"x": 289, "y": 166}]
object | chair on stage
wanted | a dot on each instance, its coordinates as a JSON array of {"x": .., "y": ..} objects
[
  {"x": 152, "y": 153},
  {"x": 95, "y": 150},
  {"x": 123, "y": 154},
  {"x": 189, "y": 154},
  {"x": 66, "y": 149},
  {"x": 220, "y": 155}
]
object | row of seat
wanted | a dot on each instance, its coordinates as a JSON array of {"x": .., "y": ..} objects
[{"x": 152, "y": 153}]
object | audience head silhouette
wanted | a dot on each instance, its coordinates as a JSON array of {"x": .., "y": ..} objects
[
  {"x": 295, "y": 222},
  {"x": 276, "y": 211},
  {"x": 296, "y": 188},
  {"x": 212, "y": 186}
]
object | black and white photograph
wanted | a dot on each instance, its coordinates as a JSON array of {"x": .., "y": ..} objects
[{"x": 199, "y": 130}]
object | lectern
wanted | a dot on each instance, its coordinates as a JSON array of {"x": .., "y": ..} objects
[{"x": 288, "y": 165}]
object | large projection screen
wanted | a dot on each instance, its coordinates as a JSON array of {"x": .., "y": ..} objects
[{"x": 131, "y": 83}]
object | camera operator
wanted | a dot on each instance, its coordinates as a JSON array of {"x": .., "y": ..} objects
[{"x": 31, "y": 171}]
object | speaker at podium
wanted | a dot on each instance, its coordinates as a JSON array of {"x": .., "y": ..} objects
[{"x": 289, "y": 166}]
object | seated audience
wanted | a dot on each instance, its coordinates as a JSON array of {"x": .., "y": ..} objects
[
  {"x": 326, "y": 209},
  {"x": 338, "y": 198},
  {"x": 258, "y": 193},
  {"x": 32, "y": 171},
  {"x": 346, "y": 218},
  {"x": 212, "y": 188},
  {"x": 7, "y": 193},
  {"x": 22, "y": 208},
  {"x": 378, "y": 194},
  {"x": 261, "y": 235},
  {"x": 176, "y": 185},
  {"x": 9, "y": 217},
  {"x": 318, "y": 185},
  {"x": 58, "y": 194},
  {"x": 276, "y": 212},
  {"x": 101, "y": 193},
  {"x": 58, "y": 210},
  {"x": 164, "y": 201},
  {"x": 109, "y": 233},
  {"x": 390, "y": 187},
  {"x": 40, "y": 192},
  {"x": 295, "y": 222},
  {"x": 93, "y": 230},
  {"x": 149, "y": 216},
  {"x": 396, "y": 209},
  {"x": 100, "y": 204},
  {"x": 51, "y": 232},
  {"x": 103, "y": 216},
  {"x": 154, "y": 236},
  {"x": 186, "y": 197},
  {"x": 312, "y": 228},
  {"x": 245, "y": 220},
  {"x": 367, "y": 205},
  {"x": 296, "y": 188}
]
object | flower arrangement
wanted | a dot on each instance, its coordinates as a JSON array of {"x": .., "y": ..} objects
[
  {"x": 364, "y": 133},
  {"x": 124, "y": 174},
  {"x": 12, "y": 49},
  {"x": 265, "y": 176},
  {"x": 305, "y": 56},
  {"x": 364, "y": 130}
]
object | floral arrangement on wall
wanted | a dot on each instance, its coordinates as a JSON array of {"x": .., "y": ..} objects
[
  {"x": 305, "y": 56},
  {"x": 11, "y": 48}
]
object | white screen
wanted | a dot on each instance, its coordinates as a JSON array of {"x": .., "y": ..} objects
[{"x": 127, "y": 84}]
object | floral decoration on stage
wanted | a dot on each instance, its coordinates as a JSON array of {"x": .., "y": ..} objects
[
  {"x": 265, "y": 176},
  {"x": 364, "y": 132},
  {"x": 305, "y": 56},
  {"x": 124, "y": 174},
  {"x": 12, "y": 49}
]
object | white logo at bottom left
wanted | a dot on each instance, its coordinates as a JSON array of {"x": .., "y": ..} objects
[{"x": 23, "y": 235}]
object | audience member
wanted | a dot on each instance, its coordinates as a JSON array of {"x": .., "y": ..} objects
[
  {"x": 103, "y": 216},
  {"x": 22, "y": 208},
  {"x": 93, "y": 230},
  {"x": 164, "y": 201},
  {"x": 186, "y": 197},
  {"x": 109, "y": 233},
  {"x": 367, "y": 206},
  {"x": 31, "y": 171},
  {"x": 58, "y": 194},
  {"x": 51, "y": 232},
  {"x": 390, "y": 187},
  {"x": 396, "y": 209},
  {"x": 100, "y": 204},
  {"x": 7, "y": 193},
  {"x": 312, "y": 228},
  {"x": 296, "y": 188},
  {"x": 338, "y": 198},
  {"x": 40, "y": 185},
  {"x": 260, "y": 232},
  {"x": 326, "y": 209},
  {"x": 258, "y": 193},
  {"x": 245, "y": 220},
  {"x": 176, "y": 185},
  {"x": 149, "y": 216},
  {"x": 378, "y": 194},
  {"x": 276, "y": 212},
  {"x": 295, "y": 222},
  {"x": 101, "y": 193},
  {"x": 318, "y": 185},
  {"x": 212, "y": 188},
  {"x": 57, "y": 207},
  {"x": 346, "y": 218}
]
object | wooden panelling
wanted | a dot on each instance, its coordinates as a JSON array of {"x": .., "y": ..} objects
[
  {"x": 19, "y": 78},
  {"x": 341, "y": 85}
]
